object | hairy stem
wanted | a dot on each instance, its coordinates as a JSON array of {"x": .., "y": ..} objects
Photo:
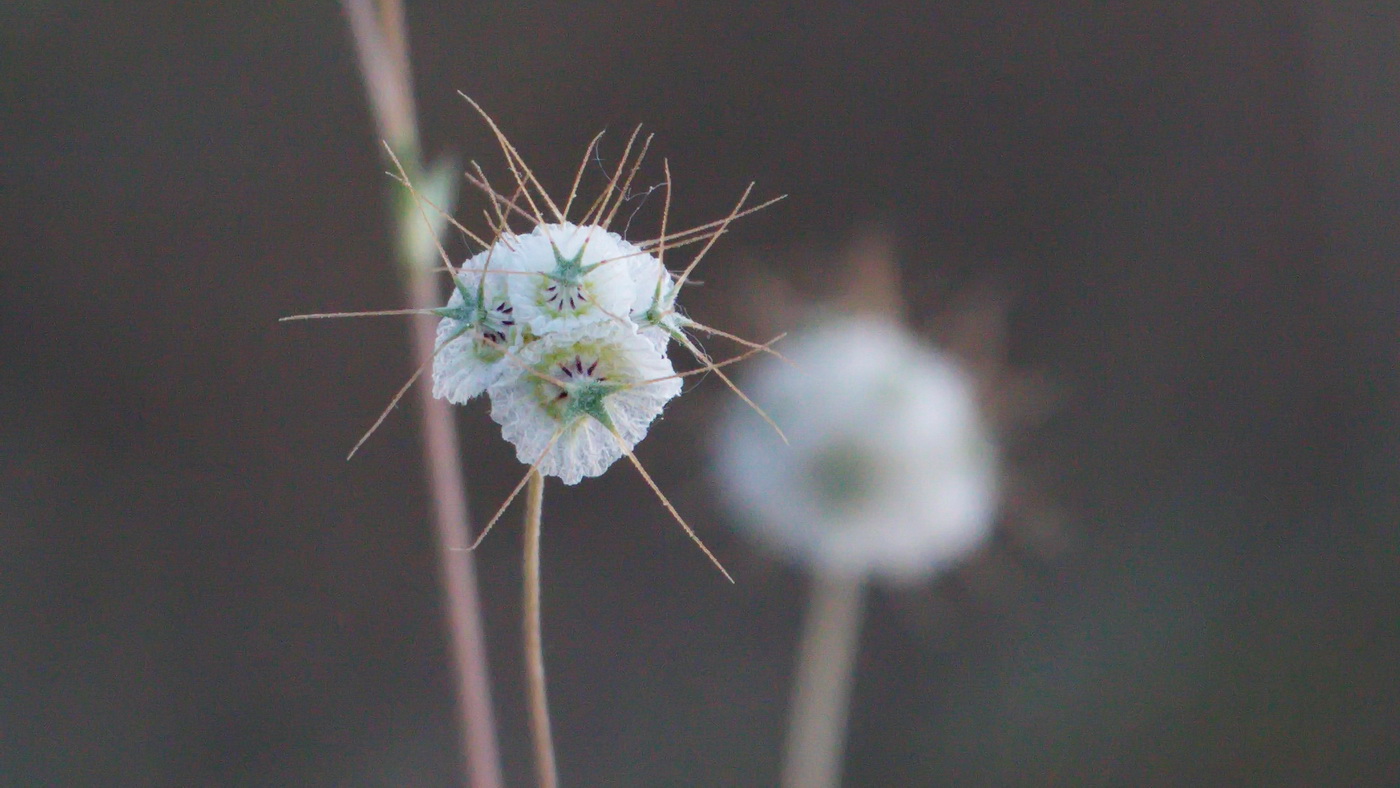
[
  {"x": 545, "y": 772},
  {"x": 821, "y": 695}
]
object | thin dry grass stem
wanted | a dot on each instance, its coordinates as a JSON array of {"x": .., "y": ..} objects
[
  {"x": 688, "y": 237},
  {"x": 578, "y": 176},
  {"x": 382, "y": 51},
  {"x": 493, "y": 194},
  {"x": 481, "y": 184},
  {"x": 501, "y": 271},
  {"x": 444, "y": 214},
  {"x": 734, "y": 387},
  {"x": 546, "y": 772},
  {"x": 674, "y": 238},
  {"x": 704, "y": 358},
  {"x": 518, "y": 487},
  {"x": 666, "y": 502},
  {"x": 418, "y": 203},
  {"x": 601, "y": 203},
  {"x": 485, "y": 214},
  {"x": 376, "y": 313},
  {"x": 501, "y": 230},
  {"x": 640, "y": 252},
  {"x": 665, "y": 215},
  {"x": 740, "y": 340},
  {"x": 513, "y": 158},
  {"x": 711, "y": 366},
  {"x": 680, "y": 282},
  {"x": 512, "y": 154},
  {"x": 627, "y": 184},
  {"x": 384, "y": 414},
  {"x": 502, "y": 225},
  {"x": 393, "y": 26},
  {"x": 529, "y": 370},
  {"x": 538, "y": 217},
  {"x": 509, "y": 153},
  {"x": 381, "y": 45}
]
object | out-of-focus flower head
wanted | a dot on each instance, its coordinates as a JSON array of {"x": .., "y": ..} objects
[
  {"x": 889, "y": 467},
  {"x": 893, "y": 465}
]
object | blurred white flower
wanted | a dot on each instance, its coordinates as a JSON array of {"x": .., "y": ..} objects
[{"x": 890, "y": 469}]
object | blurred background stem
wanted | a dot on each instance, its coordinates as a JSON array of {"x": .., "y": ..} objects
[
  {"x": 382, "y": 48},
  {"x": 822, "y": 689},
  {"x": 825, "y": 673}
]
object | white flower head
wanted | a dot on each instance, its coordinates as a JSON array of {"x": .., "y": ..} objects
[
  {"x": 477, "y": 330},
  {"x": 890, "y": 469},
  {"x": 582, "y": 275},
  {"x": 584, "y": 398},
  {"x": 565, "y": 327}
]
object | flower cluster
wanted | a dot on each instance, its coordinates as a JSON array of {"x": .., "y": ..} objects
[{"x": 566, "y": 330}]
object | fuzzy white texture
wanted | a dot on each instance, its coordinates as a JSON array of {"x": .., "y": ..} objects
[
  {"x": 470, "y": 354},
  {"x": 544, "y": 304},
  {"x": 565, "y": 304},
  {"x": 654, "y": 303},
  {"x": 531, "y": 409},
  {"x": 890, "y": 470}
]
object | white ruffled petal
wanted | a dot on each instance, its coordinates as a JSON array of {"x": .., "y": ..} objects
[
  {"x": 531, "y": 410},
  {"x": 548, "y": 302},
  {"x": 650, "y": 282},
  {"x": 470, "y": 352},
  {"x": 653, "y": 306}
]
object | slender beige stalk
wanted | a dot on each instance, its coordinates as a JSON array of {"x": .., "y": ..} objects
[
  {"x": 458, "y": 572},
  {"x": 825, "y": 673},
  {"x": 382, "y": 48},
  {"x": 545, "y": 772}
]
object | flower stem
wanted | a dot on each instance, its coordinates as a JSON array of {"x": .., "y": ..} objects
[
  {"x": 378, "y": 30},
  {"x": 821, "y": 695},
  {"x": 545, "y": 772},
  {"x": 467, "y": 641}
]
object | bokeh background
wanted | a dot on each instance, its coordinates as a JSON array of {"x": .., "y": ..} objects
[{"x": 1193, "y": 205}]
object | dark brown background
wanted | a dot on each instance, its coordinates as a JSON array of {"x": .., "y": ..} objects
[{"x": 1194, "y": 204}]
